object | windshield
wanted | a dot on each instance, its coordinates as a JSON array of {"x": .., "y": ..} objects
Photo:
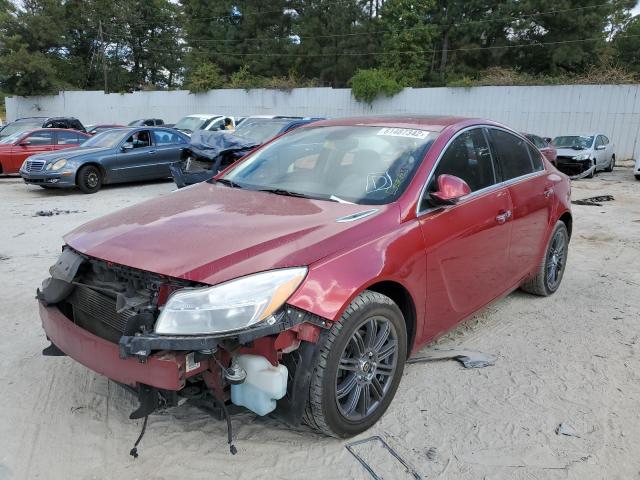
[
  {"x": 108, "y": 139},
  {"x": 19, "y": 127},
  {"x": 190, "y": 124},
  {"x": 578, "y": 142},
  {"x": 260, "y": 130},
  {"x": 365, "y": 165}
]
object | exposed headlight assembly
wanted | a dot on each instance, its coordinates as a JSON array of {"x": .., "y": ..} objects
[
  {"x": 230, "y": 306},
  {"x": 55, "y": 166},
  {"x": 584, "y": 156}
]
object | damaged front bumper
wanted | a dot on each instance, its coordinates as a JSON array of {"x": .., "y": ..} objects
[
  {"x": 165, "y": 370},
  {"x": 575, "y": 169}
]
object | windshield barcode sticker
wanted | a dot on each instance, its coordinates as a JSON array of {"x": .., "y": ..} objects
[
  {"x": 191, "y": 363},
  {"x": 403, "y": 132}
]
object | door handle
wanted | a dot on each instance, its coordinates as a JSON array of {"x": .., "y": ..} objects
[
  {"x": 151, "y": 152},
  {"x": 503, "y": 217},
  {"x": 548, "y": 192}
]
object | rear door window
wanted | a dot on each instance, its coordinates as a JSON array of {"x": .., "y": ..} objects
[
  {"x": 68, "y": 137},
  {"x": 161, "y": 137},
  {"x": 468, "y": 157},
  {"x": 536, "y": 158},
  {"x": 513, "y": 155}
]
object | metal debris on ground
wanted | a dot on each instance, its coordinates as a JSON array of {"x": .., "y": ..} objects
[
  {"x": 564, "y": 429},
  {"x": 468, "y": 358},
  {"x": 380, "y": 441},
  {"x": 55, "y": 211},
  {"x": 432, "y": 453},
  {"x": 4, "y": 257},
  {"x": 594, "y": 201}
]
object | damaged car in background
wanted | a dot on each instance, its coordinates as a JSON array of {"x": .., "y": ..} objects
[
  {"x": 210, "y": 152},
  {"x": 299, "y": 281},
  {"x": 582, "y": 156}
]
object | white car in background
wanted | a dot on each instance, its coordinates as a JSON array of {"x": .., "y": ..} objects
[
  {"x": 202, "y": 121},
  {"x": 636, "y": 169},
  {"x": 584, "y": 155}
]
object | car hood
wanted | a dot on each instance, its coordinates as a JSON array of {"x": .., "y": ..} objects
[
  {"x": 570, "y": 152},
  {"x": 69, "y": 153},
  {"x": 211, "y": 233}
]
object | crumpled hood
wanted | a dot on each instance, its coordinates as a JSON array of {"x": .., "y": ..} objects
[
  {"x": 570, "y": 152},
  {"x": 211, "y": 233},
  {"x": 68, "y": 153}
]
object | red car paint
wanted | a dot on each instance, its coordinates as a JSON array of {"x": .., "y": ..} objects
[
  {"x": 12, "y": 155},
  {"x": 451, "y": 261}
]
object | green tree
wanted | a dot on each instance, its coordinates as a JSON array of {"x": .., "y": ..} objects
[{"x": 627, "y": 45}]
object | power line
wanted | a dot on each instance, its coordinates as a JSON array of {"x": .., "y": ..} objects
[
  {"x": 400, "y": 52},
  {"x": 378, "y": 32}
]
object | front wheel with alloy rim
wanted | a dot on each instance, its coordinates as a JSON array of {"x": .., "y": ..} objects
[
  {"x": 358, "y": 368},
  {"x": 551, "y": 268},
  {"x": 89, "y": 179}
]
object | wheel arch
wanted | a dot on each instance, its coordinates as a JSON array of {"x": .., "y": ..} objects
[
  {"x": 403, "y": 299},
  {"x": 567, "y": 219},
  {"x": 93, "y": 164}
]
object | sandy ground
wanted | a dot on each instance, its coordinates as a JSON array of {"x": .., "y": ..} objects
[{"x": 573, "y": 357}]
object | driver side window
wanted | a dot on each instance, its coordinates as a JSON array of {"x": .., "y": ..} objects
[
  {"x": 140, "y": 139},
  {"x": 468, "y": 157}
]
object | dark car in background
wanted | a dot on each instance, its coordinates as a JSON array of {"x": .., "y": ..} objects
[
  {"x": 95, "y": 129},
  {"x": 147, "y": 122},
  {"x": 545, "y": 147},
  {"x": 30, "y": 123},
  {"x": 114, "y": 156},
  {"x": 212, "y": 151},
  {"x": 15, "y": 148}
]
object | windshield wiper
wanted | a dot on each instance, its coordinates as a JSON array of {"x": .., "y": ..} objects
[
  {"x": 227, "y": 182},
  {"x": 281, "y": 191}
]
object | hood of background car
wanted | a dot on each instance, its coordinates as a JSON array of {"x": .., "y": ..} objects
[
  {"x": 570, "y": 152},
  {"x": 69, "y": 153},
  {"x": 211, "y": 233}
]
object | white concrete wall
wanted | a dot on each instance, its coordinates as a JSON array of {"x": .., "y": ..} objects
[{"x": 544, "y": 110}]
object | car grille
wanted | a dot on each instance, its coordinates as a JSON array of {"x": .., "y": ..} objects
[
  {"x": 94, "y": 311},
  {"x": 34, "y": 166}
]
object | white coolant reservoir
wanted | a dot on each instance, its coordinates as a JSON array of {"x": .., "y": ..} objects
[{"x": 263, "y": 386}]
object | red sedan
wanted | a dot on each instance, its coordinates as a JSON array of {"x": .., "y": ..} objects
[
  {"x": 545, "y": 147},
  {"x": 302, "y": 277},
  {"x": 14, "y": 149}
]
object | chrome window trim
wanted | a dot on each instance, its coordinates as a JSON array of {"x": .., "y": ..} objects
[{"x": 482, "y": 191}]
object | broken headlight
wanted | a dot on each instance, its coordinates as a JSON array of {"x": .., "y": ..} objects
[
  {"x": 230, "y": 306},
  {"x": 584, "y": 156}
]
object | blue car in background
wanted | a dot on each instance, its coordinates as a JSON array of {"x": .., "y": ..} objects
[
  {"x": 210, "y": 152},
  {"x": 114, "y": 156}
]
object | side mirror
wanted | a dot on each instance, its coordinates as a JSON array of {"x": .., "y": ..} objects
[
  {"x": 600, "y": 147},
  {"x": 450, "y": 190},
  {"x": 127, "y": 146},
  {"x": 24, "y": 143},
  {"x": 548, "y": 139}
]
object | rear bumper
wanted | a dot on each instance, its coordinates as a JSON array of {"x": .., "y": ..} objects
[{"x": 164, "y": 370}]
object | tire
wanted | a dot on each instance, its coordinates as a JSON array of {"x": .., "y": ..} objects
[
  {"x": 354, "y": 367},
  {"x": 89, "y": 179},
  {"x": 612, "y": 164},
  {"x": 545, "y": 283},
  {"x": 637, "y": 177}
]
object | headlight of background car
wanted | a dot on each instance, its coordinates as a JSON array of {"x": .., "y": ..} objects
[
  {"x": 230, "y": 306},
  {"x": 584, "y": 156},
  {"x": 57, "y": 165}
]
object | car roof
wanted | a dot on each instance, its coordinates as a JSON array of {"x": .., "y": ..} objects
[{"x": 434, "y": 123}]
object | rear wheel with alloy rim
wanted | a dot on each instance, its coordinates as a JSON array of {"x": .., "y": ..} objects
[
  {"x": 89, "y": 179},
  {"x": 359, "y": 367},
  {"x": 612, "y": 164},
  {"x": 551, "y": 269}
]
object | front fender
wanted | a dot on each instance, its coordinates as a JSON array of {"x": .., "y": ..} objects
[{"x": 333, "y": 282}]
